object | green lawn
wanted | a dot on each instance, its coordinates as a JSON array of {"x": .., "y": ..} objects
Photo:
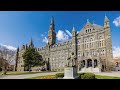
[
  {"x": 53, "y": 77},
  {"x": 20, "y": 73},
  {"x": 106, "y": 77},
  {"x": 43, "y": 77}
]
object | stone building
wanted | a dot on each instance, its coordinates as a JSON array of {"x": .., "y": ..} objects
[{"x": 92, "y": 47}]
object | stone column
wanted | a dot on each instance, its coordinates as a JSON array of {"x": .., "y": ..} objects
[
  {"x": 86, "y": 63},
  {"x": 92, "y": 63}
]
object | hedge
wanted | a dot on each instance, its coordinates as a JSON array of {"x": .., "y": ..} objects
[
  {"x": 59, "y": 75},
  {"x": 86, "y": 75}
]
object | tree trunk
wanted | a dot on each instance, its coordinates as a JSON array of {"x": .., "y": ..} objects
[
  {"x": 29, "y": 68},
  {"x": 4, "y": 70}
]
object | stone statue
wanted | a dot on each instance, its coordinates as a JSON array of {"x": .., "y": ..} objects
[{"x": 71, "y": 61}]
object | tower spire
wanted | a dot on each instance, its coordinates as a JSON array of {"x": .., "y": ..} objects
[
  {"x": 51, "y": 33},
  {"x": 88, "y": 21},
  {"x": 106, "y": 18},
  {"x": 31, "y": 43},
  {"x": 106, "y": 22},
  {"x": 52, "y": 21},
  {"x": 73, "y": 28},
  {"x": 52, "y": 26}
]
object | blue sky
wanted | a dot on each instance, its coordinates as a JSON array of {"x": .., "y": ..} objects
[{"x": 17, "y": 27}]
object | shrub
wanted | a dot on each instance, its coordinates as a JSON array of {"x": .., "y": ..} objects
[
  {"x": 88, "y": 76},
  {"x": 59, "y": 75},
  {"x": 79, "y": 74}
]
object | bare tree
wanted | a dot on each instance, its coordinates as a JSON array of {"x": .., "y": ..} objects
[{"x": 5, "y": 60}]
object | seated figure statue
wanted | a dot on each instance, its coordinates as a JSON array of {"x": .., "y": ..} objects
[{"x": 71, "y": 61}]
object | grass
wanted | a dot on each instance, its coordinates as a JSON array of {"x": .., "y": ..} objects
[
  {"x": 106, "y": 77},
  {"x": 20, "y": 73},
  {"x": 43, "y": 77},
  {"x": 54, "y": 77}
]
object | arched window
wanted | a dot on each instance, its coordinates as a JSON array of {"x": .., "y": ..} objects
[
  {"x": 100, "y": 43},
  {"x": 90, "y": 30}
]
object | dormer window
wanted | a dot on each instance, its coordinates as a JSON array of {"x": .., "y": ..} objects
[{"x": 90, "y": 30}]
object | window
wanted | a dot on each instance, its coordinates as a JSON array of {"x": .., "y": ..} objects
[
  {"x": 100, "y": 43},
  {"x": 86, "y": 31},
  {"x": 90, "y": 30}
]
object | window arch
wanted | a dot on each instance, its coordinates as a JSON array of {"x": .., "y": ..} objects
[{"x": 90, "y": 29}]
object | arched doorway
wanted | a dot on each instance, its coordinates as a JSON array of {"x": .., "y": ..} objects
[
  {"x": 89, "y": 63},
  {"x": 83, "y": 63},
  {"x": 95, "y": 63}
]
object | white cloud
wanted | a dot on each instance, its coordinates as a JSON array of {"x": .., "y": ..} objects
[
  {"x": 77, "y": 31},
  {"x": 42, "y": 35},
  {"x": 45, "y": 40},
  {"x": 69, "y": 33},
  {"x": 117, "y": 21},
  {"x": 116, "y": 51},
  {"x": 9, "y": 47},
  {"x": 62, "y": 36}
]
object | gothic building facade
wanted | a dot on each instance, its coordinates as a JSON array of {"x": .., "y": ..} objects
[{"x": 92, "y": 47}]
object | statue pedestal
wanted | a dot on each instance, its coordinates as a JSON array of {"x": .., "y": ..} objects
[{"x": 70, "y": 73}]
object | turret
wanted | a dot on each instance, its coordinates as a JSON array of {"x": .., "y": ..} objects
[
  {"x": 51, "y": 33},
  {"x": 106, "y": 22}
]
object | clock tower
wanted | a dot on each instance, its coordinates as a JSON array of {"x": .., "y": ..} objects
[{"x": 51, "y": 33}]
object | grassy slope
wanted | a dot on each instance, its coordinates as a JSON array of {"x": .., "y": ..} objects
[
  {"x": 106, "y": 77},
  {"x": 43, "y": 77},
  {"x": 53, "y": 77},
  {"x": 20, "y": 73}
]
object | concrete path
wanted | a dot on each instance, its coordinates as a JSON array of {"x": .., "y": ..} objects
[
  {"x": 114, "y": 74},
  {"x": 27, "y": 75}
]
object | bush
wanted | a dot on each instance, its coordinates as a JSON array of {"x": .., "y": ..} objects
[
  {"x": 79, "y": 74},
  {"x": 59, "y": 75},
  {"x": 86, "y": 75}
]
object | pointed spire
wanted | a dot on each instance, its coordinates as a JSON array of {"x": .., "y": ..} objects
[
  {"x": 52, "y": 21},
  {"x": 31, "y": 42},
  {"x": 52, "y": 26},
  {"x": 88, "y": 21},
  {"x": 106, "y": 18},
  {"x": 73, "y": 28}
]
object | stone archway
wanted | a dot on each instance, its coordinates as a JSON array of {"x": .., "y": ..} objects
[
  {"x": 89, "y": 63},
  {"x": 83, "y": 63},
  {"x": 95, "y": 63}
]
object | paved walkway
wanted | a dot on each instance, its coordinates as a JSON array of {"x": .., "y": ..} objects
[
  {"x": 27, "y": 75},
  {"x": 115, "y": 74}
]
